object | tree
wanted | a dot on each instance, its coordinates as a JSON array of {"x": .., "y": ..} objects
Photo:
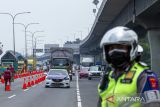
[{"x": 146, "y": 50}]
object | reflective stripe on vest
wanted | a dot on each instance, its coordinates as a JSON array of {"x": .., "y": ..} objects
[{"x": 121, "y": 89}]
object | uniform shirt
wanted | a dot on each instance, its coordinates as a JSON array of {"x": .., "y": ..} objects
[
  {"x": 147, "y": 81},
  {"x": 7, "y": 74}
]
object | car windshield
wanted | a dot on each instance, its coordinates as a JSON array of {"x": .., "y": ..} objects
[
  {"x": 57, "y": 72},
  {"x": 60, "y": 62},
  {"x": 84, "y": 69},
  {"x": 94, "y": 68}
]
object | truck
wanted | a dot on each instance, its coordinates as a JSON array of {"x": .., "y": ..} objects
[
  {"x": 62, "y": 58},
  {"x": 31, "y": 65},
  {"x": 22, "y": 66},
  {"x": 87, "y": 60}
]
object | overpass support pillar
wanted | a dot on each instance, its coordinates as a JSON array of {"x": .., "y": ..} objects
[{"x": 154, "y": 40}]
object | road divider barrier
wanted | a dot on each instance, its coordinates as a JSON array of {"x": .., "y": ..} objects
[
  {"x": 33, "y": 80},
  {"x": 21, "y": 75},
  {"x": 29, "y": 79}
]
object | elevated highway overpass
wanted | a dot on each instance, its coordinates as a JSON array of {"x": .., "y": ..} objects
[{"x": 141, "y": 15}]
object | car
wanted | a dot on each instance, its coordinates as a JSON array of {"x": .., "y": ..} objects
[
  {"x": 57, "y": 78},
  {"x": 83, "y": 73},
  {"x": 94, "y": 72}
]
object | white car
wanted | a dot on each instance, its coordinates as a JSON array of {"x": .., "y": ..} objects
[
  {"x": 94, "y": 72},
  {"x": 57, "y": 78}
]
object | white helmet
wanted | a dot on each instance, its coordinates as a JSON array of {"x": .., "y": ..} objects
[{"x": 121, "y": 35}]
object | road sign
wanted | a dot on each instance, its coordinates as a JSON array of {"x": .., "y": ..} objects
[
  {"x": 95, "y": 2},
  {"x": 47, "y": 50},
  {"x": 38, "y": 50},
  {"x": 94, "y": 10}
]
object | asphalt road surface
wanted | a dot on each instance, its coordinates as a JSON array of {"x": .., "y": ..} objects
[{"x": 83, "y": 93}]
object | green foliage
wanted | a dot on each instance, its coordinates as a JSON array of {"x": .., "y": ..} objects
[{"x": 146, "y": 50}]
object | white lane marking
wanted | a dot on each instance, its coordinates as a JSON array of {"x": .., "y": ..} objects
[
  {"x": 79, "y": 104},
  {"x": 78, "y": 98},
  {"x": 33, "y": 85},
  {"x": 79, "y": 101},
  {"x": 26, "y": 89},
  {"x": 12, "y": 96}
]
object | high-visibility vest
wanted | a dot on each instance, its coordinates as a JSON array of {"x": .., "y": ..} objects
[{"x": 125, "y": 86}]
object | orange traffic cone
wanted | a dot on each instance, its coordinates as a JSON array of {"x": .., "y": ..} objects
[
  {"x": 8, "y": 88},
  {"x": 36, "y": 81},
  {"x": 24, "y": 84},
  {"x": 29, "y": 83},
  {"x": 32, "y": 82},
  {"x": 2, "y": 80},
  {"x": 38, "y": 78}
]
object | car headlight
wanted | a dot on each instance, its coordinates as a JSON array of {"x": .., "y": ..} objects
[
  {"x": 90, "y": 73},
  {"x": 66, "y": 78},
  {"x": 48, "y": 78}
]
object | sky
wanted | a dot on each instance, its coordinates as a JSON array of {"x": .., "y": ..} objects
[{"x": 61, "y": 20}]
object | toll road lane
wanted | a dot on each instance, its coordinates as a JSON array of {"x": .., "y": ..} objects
[
  {"x": 39, "y": 96},
  {"x": 83, "y": 93},
  {"x": 16, "y": 87},
  {"x": 88, "y": 92}
]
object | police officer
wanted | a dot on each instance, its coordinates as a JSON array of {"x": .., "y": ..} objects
[
  {"x": 129, "y": 83},
  {"x": 7, "y": 77}
]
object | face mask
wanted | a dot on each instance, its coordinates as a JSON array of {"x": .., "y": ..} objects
[{"x": 118, "y": 57}]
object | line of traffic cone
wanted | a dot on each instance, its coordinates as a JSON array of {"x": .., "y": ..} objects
[{"x": 31, "y": 81}]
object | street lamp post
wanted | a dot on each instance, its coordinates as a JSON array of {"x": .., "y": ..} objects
[
  {"x": 26, "y": 26},
  {"x": 33, "y": 34},
  {"x": 81, "y": 34},
  {"x": 35, "y": 46},
  {"x": 13, "y": 19}
]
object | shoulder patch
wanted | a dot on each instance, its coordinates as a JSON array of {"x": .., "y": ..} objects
[
  {"x": 143, "y": 64},
  {"x": 153, "y": 82}
]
